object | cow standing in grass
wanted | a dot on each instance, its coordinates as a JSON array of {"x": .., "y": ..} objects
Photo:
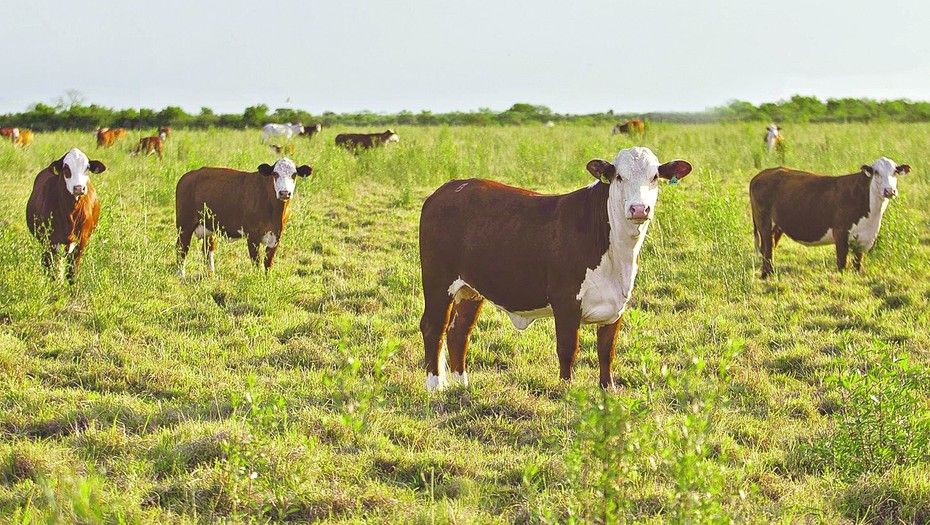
[
  {"x": 63, "y": 208},
  {"x": 573, "y": 257},
  {"x": 845, "y": 211},
  {"x": 356, "y": 141},
  {"x": 235, "y": 204},
  {"x": 773, "y": 138}
]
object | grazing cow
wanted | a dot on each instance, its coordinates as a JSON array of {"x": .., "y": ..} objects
[
  {"x": 23, "y": 138},
  {"x": 630, "y": 127},
  {"x": 106, "y": 137},
  {"x": 815, "y": 210},
  {"x": 353, "y": 141},
  {"x": 281, "y": 130},
  {"x": 9, "y": 133},
  {"x": 311, "y": 130},
  {"x": 573, "y": 257},
  {"x": 235, "y": 204},
  {"x": 63, "y": 208},
  {"x": 148, "y": 145},
  {"x": 772, "y": 137}
]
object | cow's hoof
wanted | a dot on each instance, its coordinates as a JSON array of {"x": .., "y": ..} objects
[
  {"x": 459, "y": 379},
  {"x": 433, "y": 383}
]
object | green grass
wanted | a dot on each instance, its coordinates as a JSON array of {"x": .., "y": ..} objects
[{"x": 140, "y": 397}]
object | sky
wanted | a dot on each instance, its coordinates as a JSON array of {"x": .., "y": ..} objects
[{"x": 574, "y": 56}]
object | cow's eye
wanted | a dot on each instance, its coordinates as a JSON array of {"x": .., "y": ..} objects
[{"x": 68, "y": 174}]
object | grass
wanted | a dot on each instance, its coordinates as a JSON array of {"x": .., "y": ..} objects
[{"x": 140, "y": 397}]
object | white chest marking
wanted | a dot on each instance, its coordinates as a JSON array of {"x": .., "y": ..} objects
[
  {"x": 864, "y": 232},
  {"x": 270, "y": 240},
  {"x": 71, "y": 246}
]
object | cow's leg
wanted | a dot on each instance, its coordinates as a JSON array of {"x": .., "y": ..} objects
[
  {"x": 49, "y": 259},
  {"x": 567, "y": 323},
  {"x": 183, "y": 245},
  {"x": 857, "y": 260},
  {"x": 776, "y": 236},
  {"x": 841, "y": 240},
  {"x": 269, "y": 255},
  {"x": 432, "y": 325},
  {"x": 767, "y": 245},
  {"x": 74, "y": 262},
  {"x": 209, "y": 251},
  {"x": 465, "y": 314},
  {"x": 606, "y": 348},
  {"x": 254, "y": 244}
]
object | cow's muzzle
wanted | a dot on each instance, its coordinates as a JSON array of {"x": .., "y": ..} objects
[
  {"x": 638, "y": 213},
  {"x": 889, "y": 193},
  {"x": 284, "y": 195},
  {"x": 77, "y": 191}
]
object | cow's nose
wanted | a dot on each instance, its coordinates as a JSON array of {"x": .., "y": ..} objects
[
  {"x": 284, "y": 195},
  {"x": 639, "y": 212},
  {"x": 890, "y": 193},
  {"x": 78, "y": 190}
]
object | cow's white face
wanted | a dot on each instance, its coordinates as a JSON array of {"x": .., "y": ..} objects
[
  {"x": 636, "y": 188},
  {"x": 284, "y": 176},
  {"x": 884, "y": 174},
  {"x": 75, "y": 169},
  {"x": 393, "y": 137},
  {"x": 772, "y": 130}
]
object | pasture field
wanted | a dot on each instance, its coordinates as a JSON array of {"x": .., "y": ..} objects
[{"x": 142, "y": 397}]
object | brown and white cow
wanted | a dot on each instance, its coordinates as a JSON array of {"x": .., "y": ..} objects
[
  {"x": 573, "y": 257},
  {"x": 311, "y": 130},
  {"x": 812, "y": 209},
  {"x": 106, "y": 137},
  {"x": 773, "y": 138},
  {"x": 63, "y": 208},
  {"x": 23, "y": 138},
  {"x": 149, "y": 145},
  {"x": 631, "y": 126},
  {"x": 164, "y": 130},
  {"x": 9, "y": 133},
  {"x": 235, "y": 204},
  {"x": 352, "y": 141}
]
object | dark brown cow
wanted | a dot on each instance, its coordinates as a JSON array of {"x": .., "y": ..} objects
[
  {"x": 630, "y": 126},
  {"x": 63, "y": 208},
  {"x": 148, "y": 145},
  {"x": 573, "y": 257},
  {"x": 311, "y": 130},
  {"x": 352, "y": 141},
  {"x": 845, "y": 211},
  {"x": 235, "y": 204}
]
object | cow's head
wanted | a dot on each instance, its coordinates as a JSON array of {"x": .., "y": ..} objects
[
  {"x": 884, "y": 174},
  {"x": 391, "y": 136},
  {"x": 285, "y": 174},
  {"x": 772, "y": 129},
  {"x": 634, "y": 181},
  {"x": 75, "y": 168}
]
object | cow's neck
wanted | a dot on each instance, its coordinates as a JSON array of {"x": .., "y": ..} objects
[
  {"x": 625, "y": 241},
  {"x": 869, "y": 224}
]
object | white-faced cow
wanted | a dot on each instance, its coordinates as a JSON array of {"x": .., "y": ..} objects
[
  {"x": 772, "y": 137},
  {"x": 236, "y": 204},
  {"x": 573, "y": 257},
  {"x": 287, "y": 131},
  {"x": 845, "y": 211},
  {"x": 63, "y": 208}
]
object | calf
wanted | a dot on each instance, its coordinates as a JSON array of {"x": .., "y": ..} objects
[
  {"x": 630, "y": 127},
  {"x": 149, "y": 145},
  {"x": 23, "y": 138},
  {"x": 352, "y": 141},
  {"x": 311, "y": 130},
  {"x": 287, "y": 131},
  {"x": 106, "y": 137},
  {"x": 63, "y": 208},
  {"x": 815, "y": 209},
  {"x": 573, "y": 257},
  {"x": 235, "y": 204},
  {"x": 772, "y": 137}
]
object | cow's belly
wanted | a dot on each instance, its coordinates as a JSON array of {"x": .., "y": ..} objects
[{"x": 826, "y": 238}]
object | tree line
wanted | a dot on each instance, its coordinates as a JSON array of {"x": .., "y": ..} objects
[{"x": 87, "y": 117}]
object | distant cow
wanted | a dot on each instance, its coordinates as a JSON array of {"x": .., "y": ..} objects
[
  {"x": 164, "y": 130},
  {"x": 23, "y": 138},
  {"x": 9, "y": 133},
  {"x": 149, "y": 145},
  {"x": 287, "y": 131},
  {"x": 311, "y": 130},
  {"x": 814, "y": 209},
  {"x": 285, "y": 149},
  {"x": 235, "y": 204},
  {"x": 772, "y": 137},
  {"x": 106, "y": 137},
  {"x": 63, "y": 208},
  {"x": 573, "y": 257},
  {"x": 629, "y": 127},
  {"x": 353, "y": 141}
]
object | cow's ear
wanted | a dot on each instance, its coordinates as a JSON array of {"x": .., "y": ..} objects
[
  {"x": 57, "y": 166},
  {"x": 902, "y": 169},
  {"x": 602, "y": 170},
  {"x": 674, "y": 169},
  {"x": 96, "y": 166},
  {"x": 867, "y": 170},
  {"x": 265, "y": 169},
  {"x": 304, "y": 171}
]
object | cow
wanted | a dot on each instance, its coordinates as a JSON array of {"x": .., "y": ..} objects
[
  {"x": 352, "y": 141},
  {"x": 23, "y": 138},
  {"x": 288, "y": 131},
  {"x": 772, "y": 137},
  {"x": 63, "y": 208},
  {"x": 286, "y": 149},
  {"x": 9, "y": 133},
  {"x": 573, "y": 257},
  {"x": 148, "y": 145},
  {"x": 106, "y": 137},
  {"x": 235, "y": 204},
  {"x": 845, "y": 211},
  {"x": 164, "y": 130},
  {"x": 311, "y": 130},
  {"x": 630, "y": 127}
]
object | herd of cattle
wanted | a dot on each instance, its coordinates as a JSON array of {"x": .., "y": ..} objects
[{"x": 573, "y": 257}]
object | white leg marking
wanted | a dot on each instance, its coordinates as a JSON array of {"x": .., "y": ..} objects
[
  {"x": 459, "y": 379},
  {"x": 211, "y": 259},
  {"x": 433, "y": 383}
]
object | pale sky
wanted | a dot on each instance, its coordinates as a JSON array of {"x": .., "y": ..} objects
[{"x": 574, "y": 56}]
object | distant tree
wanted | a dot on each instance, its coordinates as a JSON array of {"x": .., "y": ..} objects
[{"x": 255, "y": 116}]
